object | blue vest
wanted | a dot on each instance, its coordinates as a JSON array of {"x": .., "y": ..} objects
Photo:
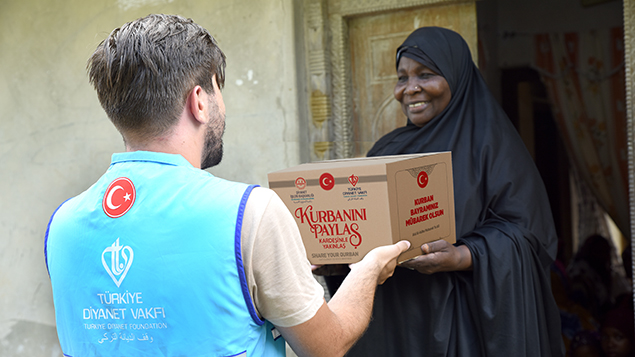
[{"x": 147, "y": 262}]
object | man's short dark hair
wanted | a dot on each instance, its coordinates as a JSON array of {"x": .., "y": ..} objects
[{"x": 145, "y": 69}]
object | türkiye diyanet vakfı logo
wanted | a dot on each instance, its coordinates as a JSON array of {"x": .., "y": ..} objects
[
  {"x": 120, "y": 259},
  {"x": 122, "y": 315}
]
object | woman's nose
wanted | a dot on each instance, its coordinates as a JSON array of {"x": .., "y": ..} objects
[{"x": 412, "y": 89}]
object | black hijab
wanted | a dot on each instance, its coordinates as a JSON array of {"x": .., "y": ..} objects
[{"x": 504, "y": 306}]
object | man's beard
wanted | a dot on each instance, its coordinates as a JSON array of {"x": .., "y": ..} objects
[{"x": 213, "y": 148}]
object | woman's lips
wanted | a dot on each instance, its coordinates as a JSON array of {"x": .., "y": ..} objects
[{"x": 414, "y": 107}]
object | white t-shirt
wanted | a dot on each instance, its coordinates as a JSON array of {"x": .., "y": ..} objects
[{"x": 278, "y": 272}]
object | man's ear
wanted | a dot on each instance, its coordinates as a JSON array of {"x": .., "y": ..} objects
[{"x": 197, "y": 104}]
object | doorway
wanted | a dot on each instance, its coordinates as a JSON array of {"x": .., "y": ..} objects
[{"x": 524, "y": 99}]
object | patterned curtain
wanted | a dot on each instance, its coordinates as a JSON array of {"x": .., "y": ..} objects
[{"x": 585, "y": 80}]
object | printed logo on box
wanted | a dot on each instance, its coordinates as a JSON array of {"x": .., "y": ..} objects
[
  {"x": 422, "y": 179},
  {"x": 353, "y": 179},
  {"x": 300, "y": 183},
  {"x": 354, "y": 193},
  {"x": 327, "y": 182}
]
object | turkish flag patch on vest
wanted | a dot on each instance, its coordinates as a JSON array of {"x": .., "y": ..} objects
[{"x": 119, "y": 197}]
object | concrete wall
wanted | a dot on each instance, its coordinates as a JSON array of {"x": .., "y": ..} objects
[{"x": 55, "y": 139}]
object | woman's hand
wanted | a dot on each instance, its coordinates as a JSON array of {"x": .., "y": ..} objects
[{"x": 439, "y": 256}]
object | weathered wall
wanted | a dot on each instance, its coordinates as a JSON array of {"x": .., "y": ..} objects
[{"x": 55, "y": 139}]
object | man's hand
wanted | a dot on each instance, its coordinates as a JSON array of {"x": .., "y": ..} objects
[
  {"x": 336, "y": 326},
  {"x": 383, "y": 258},
  {"x": 439, "y": 256}
]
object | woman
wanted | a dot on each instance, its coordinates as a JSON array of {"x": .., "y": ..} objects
[{"x": 488, "y": 295}]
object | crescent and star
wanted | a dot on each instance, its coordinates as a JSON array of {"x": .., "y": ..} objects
[{"x": 110, "y": 194}]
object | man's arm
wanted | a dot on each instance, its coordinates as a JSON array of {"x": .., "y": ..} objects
[{"x": 338, "y": 325}]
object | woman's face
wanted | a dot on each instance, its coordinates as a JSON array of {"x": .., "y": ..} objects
[
  {"x": 423, "y": 94},
  {"x": 615, "y": 344}
]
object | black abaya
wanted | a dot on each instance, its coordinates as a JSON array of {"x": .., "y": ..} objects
[{"x": 504, "y": 306}]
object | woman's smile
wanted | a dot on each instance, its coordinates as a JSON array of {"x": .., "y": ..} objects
[{"x": 417, "y": 105}]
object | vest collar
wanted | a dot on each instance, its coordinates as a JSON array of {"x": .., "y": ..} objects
[{"x": 158, "y": 157}]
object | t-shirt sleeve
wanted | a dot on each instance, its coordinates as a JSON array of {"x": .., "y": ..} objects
[{"x": 278, "y": 273}]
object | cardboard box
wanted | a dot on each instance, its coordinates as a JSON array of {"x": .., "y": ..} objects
[{"x": 345, "y": 208}]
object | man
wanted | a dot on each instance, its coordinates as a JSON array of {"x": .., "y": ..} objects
[{"x": 159, "y": 257}]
